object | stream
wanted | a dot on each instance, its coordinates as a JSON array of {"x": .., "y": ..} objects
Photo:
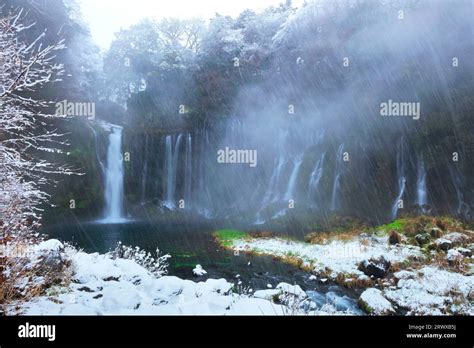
[{"x": 190, "y": 244}]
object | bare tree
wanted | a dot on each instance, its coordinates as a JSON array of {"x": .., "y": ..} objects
[{"x": 193, "y": 33}]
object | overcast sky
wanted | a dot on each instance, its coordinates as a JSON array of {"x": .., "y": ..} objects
[{"x": 105, "y": 17}]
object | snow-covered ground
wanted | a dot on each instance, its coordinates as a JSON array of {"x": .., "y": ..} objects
[
  {"x": 433, "y": 291},
  {"x": 429, "y": 290},
  {"x": 102, "y": 285},
  {"x": 336, "y": 256}
]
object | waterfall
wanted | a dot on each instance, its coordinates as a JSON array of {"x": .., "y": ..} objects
[
  {"x": 421, "y": 188},
  {"x": 315, "y": 177},
  {"x": 169, "y": 171},
  {"x": 204, "y": 195},
  {"x": 188, "y": 171},
  {"x": 145, "y": 170},
  {"x": 337, "y": 179},
  {"x": 463, "y": 207},
  {"x": 175, "y": 169},
  {"x": 293, "y": 179},
  {"x": 171, "y": 165},
  {"x": 401, "y": 177},
  {"x": 114, "y": 174},
  {"x": 272, "y": 187},
  {"x": 201, "y": 179}
]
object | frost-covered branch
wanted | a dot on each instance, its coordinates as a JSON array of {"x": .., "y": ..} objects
[{"x": 25, "y": 126}]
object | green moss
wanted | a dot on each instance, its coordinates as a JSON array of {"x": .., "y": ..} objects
[
  {"x": 366, "y": 307},
  {"x": 226, "y": 237},
  {"x": 396, "y": 225}
]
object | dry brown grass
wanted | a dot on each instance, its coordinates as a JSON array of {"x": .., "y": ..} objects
[
  {"x": 351, "y": 281},
  {"x": 294, "y": 261},
  {"x": 325, "y": 237},
  {"x": 460, "y": 266},
  {"x": 262, "y": 234},
  {"x": 421, "y": 224},
  {"x": 21, "y": 283}
]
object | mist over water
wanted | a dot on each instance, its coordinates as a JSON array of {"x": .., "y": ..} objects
[
  {"x": 357, "y": 111},
  {"x": 312, "y": 157}
]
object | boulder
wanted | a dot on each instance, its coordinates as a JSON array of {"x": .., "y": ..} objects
[
  {"x": 404, "y": 274},
  {"x": 394, "y": 238},
  {"x": 423, "y": 238},
  {"x": 454, "y": 256},
  {"x": 457, "y": 238},
  {"x": 289, "y": 289},
  {"x": 464, "y": 252},
  {"x": 373, "y": 302},
  {"x": 436, "y": 232},
  {"x": 443, "y": 244},
  {"x": 377, "y": 268}
]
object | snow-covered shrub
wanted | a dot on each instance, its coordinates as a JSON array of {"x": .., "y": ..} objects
[
  {"x": 27, "y": 130},
  {"x": 156, "y": 264},
  {"x": 241, "y": 289},
  {"x": 31, "y": 269},
  {"x": 26, "y": 126}
]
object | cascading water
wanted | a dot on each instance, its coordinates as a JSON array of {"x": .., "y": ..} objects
[
  {"x": 171, "y": 165},
  {"x": 401, "y": 177},
  {"x": 203, "y": 198},
  {"x": 114, "y": 174},
  {"x": 463, "y": 209},
  {"x": 169, "y": 171},
  {"x": 290, "y": 192},
  {"x": 175, "y": 169},
  {"x": 188, "y": 171},
  {"x": 421, "y": 187},
  {"x": 337, "y": 179},
  {"x": 272, "y": 187},
  {"x": 315, "y": 178}
]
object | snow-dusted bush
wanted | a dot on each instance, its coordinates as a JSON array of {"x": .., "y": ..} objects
[
  {"x": 156, "y": 264},
  {"x": 32, "y": 270}
]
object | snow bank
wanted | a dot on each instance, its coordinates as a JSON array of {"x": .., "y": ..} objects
[
  {"x": 427, "y": 291},
  {"x": 294, "y": 290},
  {"x": 49, "y": 245},
  {"x": 105, "y": 286},
  {"x": 433, "y": 291}
]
